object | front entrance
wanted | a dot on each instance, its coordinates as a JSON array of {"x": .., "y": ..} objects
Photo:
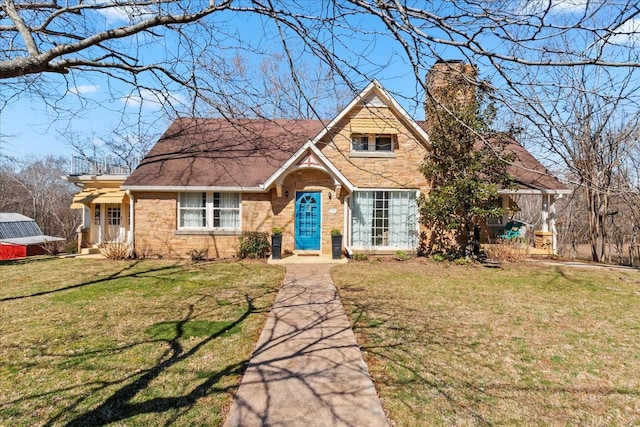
[{"x": 307, "y": 234}]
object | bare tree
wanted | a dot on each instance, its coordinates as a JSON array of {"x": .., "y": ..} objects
[
  {"x": 34, "y": 189},
  {"x": 588, "y": 122},
  {"x": 159, "y": 45}
]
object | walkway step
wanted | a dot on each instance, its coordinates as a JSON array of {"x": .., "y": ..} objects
[{"x": 307, "y": 369}]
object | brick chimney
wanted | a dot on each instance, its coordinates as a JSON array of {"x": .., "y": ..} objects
[{"x": 449, "y": 85}]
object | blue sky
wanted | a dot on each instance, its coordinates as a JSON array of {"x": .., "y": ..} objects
[{"x": 30, "y": 126}]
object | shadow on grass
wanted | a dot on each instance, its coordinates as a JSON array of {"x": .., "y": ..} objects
[
  {"x": 115, "y": 275},
  {"x": 424, "y": 355},
  {"x": 119, "y": 406}
]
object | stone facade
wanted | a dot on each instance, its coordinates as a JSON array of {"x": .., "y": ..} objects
[
  {"x": 156, "y": 234},
  {"x": 156, "y": 213}
]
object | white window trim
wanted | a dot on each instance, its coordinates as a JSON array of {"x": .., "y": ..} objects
[{"x": 209, "y": 209}]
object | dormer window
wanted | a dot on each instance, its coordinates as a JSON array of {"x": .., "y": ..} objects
[{"x": 371, "y": 143}]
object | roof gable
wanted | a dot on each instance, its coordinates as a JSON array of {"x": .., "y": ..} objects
[{"x": 376, "y": 96}]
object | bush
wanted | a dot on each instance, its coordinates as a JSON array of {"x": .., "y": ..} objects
[
  {"x": 115, "y": 250},
  {"x": 401, "y": 256},
  {"x": 198, "y": 255},
  {"x": 254, "y": 244},
  {"x": 508, "y": 250},
  {"x": 71, "y": 247},
  {"x": 360, "y": 257},
  {"x": 52, "y": 247}
]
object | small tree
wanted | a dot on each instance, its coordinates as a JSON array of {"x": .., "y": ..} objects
[{"x": 465, "y": 167}]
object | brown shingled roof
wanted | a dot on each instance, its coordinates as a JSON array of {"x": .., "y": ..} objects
[
  {"x": 528, "y": 172},
  {"x": 221, "y": 152},
  {"x": 525, "y": 169}
]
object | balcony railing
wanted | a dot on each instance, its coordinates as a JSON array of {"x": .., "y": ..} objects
[{"x": 106, "y": 165}]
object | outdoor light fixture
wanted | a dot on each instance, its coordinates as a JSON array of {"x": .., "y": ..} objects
[
  {"x": 286, "y": 193},
  {"x": 329, "y": 195}
]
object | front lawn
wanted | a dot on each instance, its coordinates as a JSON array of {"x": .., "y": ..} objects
[
  {"x": 523, "y": 345},
  {"x": 92, "y": 342}
]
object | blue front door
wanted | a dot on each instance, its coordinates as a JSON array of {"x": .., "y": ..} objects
[{"x": 308, "y": 220}]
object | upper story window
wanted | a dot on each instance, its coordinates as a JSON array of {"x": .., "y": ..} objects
[
  {"x": 201, "y": 210},
  {"x": 372, "y": 144}
]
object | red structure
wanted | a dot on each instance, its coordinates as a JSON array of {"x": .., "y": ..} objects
[{"x": 21, "y": 237}]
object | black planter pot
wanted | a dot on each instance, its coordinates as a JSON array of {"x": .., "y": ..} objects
[
  {"x": 336, "y": 247},
  {"x": 276, "y": 246}
]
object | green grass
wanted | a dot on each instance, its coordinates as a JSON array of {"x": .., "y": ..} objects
[
  {"x": 523, "y": 345},
  {"x": 137, "y": 343}
]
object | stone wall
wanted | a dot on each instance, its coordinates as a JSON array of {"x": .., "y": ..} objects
[{"x": 156, "y": 219}]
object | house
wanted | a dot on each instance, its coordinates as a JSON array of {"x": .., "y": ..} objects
[
  {"x": 207, "y": 180},
  {"x": 21, "y": 237}
]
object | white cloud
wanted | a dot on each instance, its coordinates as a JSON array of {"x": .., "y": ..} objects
[
  {"x": 569, "y": 6},
  {"x": 129, "y": 14},
  {"x": 629, "y": 32},
  {"x": 150, "y": 100},
  {"x": 84, "y": 89}
]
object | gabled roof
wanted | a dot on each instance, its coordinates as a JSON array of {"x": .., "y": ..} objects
[
  {"x": 209, "y": 154},
  {"x": 376, "y": 88},
  {"x": 308, "y": 156}
]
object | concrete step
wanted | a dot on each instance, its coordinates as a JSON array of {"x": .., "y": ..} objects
[{"x": 89, "y": 251}]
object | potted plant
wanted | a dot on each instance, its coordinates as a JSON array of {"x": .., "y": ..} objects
[
  {"x": 276, "y": 243},
  {"x": 336, "y": 243}
]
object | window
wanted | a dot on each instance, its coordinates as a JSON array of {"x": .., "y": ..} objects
[
  {"x": 384, "y": 219},
  {"x": 114, "y": 215},
  {"x": 209, "y": 210},
  {"x": 379, "y": 143},
  {"x": 96, "y": 214}
]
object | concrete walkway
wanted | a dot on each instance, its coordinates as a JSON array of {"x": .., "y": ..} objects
[{"x": 307, "y": 369}]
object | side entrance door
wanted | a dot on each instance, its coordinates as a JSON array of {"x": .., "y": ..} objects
[{"x": 307, "y": 220}]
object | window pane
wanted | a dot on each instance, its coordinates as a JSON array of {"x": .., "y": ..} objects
[
  {"x": 360, "y": 143},
  {"x": 383, "y": 143},
  {"x": 193, "y": 200}
]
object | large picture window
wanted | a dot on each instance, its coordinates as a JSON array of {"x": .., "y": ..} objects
[
  {"x": 386, "y": 219},
  {"x": 201, "y": 210}
]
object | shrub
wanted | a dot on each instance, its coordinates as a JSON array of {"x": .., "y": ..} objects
[
  {"x": 277, "y": 231},
  {"x": 509, "y": 250},
  {"x": 360, "y": 257},
  {"x": 439, "y": 257},
  {"x": 51, "y": 247},
  {"x": 401, "y": 256},
  {"x": 254, "y": 244},
  {"x": 336, "y": 232},
  {"x": 115, "y": 250},
  {"x": 71, "y": 247},
  {"x": 463, "y": 261},
  {"x": 198, "y": 255}
]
